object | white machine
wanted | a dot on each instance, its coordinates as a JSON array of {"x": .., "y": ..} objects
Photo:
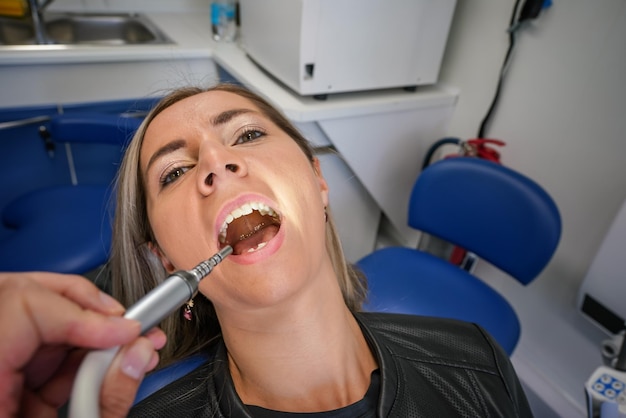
[
  {"x": 317, "y": 47},
  {"x": 606, "y": 393},
  {"x": 602, "y": 294}
]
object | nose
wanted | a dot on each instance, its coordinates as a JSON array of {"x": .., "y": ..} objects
[{"x": 218, "y": 163}]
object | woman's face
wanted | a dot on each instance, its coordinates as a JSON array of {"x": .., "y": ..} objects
[{"x": 217, "y": 172}]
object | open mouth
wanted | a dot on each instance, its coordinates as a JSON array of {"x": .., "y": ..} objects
[{"x": 249, "y": 228}]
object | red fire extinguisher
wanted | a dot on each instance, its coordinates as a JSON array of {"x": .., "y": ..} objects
[{"x": 476, "y": 148}]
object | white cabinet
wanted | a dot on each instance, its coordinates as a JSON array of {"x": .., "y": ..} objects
[
  {"x": 55, "y": 74},
  {"x": 601, "y": 295}
]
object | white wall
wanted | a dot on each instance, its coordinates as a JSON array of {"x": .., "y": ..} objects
[{"x": 562, "y": 111}]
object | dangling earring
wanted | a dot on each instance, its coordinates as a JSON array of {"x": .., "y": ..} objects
[
  {"x": 325, "y": 215},
  {"x": 187, "y": 314}
]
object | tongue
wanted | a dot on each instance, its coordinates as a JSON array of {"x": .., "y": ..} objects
[
  {"x": 247, "y": 232},
  {"x": 261, "y": 236}
]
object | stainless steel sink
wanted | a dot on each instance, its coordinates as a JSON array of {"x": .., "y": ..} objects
[
  {"x": 16, "y": 32},
  {"x": 84, "y": 29}
]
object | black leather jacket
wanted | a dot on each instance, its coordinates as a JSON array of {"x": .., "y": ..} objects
[{"x": 430, "y": 367}]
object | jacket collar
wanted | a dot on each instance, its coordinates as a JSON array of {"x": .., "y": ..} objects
[
  {"x": 389, "y": 376},
  {"x": 230, "y": 403}
]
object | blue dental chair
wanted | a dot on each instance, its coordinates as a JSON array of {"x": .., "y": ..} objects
[
  {"x": 493, "y": 211},
  {"x": 490, "y": 210},
  {"x": 65, "y": 228}
]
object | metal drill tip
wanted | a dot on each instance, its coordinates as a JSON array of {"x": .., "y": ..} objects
[
  {"x": 228, "y": 250},
  {"x": 206, "y": 267}
]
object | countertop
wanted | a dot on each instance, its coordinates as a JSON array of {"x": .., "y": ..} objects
[
  {"x": 191, "y": 33},
  {"x": 340, "y": 105}
]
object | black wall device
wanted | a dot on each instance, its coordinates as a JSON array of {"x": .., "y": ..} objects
[{"x": 530, "y": 10}]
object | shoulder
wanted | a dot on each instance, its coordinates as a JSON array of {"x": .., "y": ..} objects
[
  {"x": 191, "y": 394},
  {"x": 417, "y": 354},
  {"x": 429, "y": 339},
  {"x": 185, "y": 396}
]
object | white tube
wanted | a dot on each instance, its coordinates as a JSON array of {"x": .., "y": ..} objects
[
  {"x": 85, "y": 398},
  {"x": 149, "y": 311}
]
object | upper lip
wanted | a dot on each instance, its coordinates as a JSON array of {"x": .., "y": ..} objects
[{"x": 243, "y": 210}]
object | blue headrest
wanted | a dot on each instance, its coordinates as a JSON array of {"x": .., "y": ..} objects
[{"x": 499, "y": 214}]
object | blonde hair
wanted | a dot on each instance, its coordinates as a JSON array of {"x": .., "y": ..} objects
[{"x": 136, "y": 270}]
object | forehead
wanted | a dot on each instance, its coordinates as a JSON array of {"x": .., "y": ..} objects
[
  {"x": 188, "y": 115},
  {"x": 203, "y": 106}
]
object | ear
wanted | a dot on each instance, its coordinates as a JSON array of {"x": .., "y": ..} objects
[
  {"x": 156, "y": 250},
  {"x": 322, "y": 181}
]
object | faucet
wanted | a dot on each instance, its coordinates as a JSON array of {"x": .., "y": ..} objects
[{"x": 36, "y": 12}]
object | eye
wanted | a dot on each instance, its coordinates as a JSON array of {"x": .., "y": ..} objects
[
  {"x": 249, "y": 135},
  {"x": 172, "y": 175}
]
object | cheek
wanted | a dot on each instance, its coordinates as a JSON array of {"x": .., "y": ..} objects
[
  {"x": 302, "y": 195},
  {"x": 160, "y": 218},
  {"x": 291, "y": 167},
  {"x": 174, "y": 230}
]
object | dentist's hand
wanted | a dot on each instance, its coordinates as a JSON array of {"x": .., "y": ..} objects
[{"x": 47, "y": 321}]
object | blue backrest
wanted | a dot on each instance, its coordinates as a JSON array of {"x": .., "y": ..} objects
[
  {"x": 163, "y": 377},
  {"x": 491, "y": 210},
  {"x": 94, "y": 127}
]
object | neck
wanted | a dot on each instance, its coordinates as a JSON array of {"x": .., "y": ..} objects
[{"x": 313, "y": 357}]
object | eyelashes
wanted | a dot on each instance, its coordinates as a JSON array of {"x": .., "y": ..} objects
[
  {"x": 249, "y": 134},
  {"x": 172, "y": 174},
  {"x": 176, "y": 171}
]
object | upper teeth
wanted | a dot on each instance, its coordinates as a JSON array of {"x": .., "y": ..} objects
[{"x": 245, "y": 209}]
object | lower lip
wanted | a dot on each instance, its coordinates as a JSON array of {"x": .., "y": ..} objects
[{"x": 257, "y": 256}]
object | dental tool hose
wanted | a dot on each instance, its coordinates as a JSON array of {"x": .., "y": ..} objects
[{"x": 149, "y": 311}]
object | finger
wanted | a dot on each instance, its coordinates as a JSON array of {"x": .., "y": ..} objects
[
  {"x": 32, "y": 315},
  {"x": 46, "y": 400},
  {"x": 54, "y": 364},
  {"x": 74, "y": 287},
  {"x": 44, "y": 364},
  {"x": 11, "y": 391},
  {"x": 124, "y": 377},
  {"x": 32, "y": 406},
  {"x": 157, "y": 337},
  {"x": 55, "y": 392}
]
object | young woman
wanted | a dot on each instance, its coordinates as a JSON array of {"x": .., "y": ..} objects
[{"x": 279, "y": 320}]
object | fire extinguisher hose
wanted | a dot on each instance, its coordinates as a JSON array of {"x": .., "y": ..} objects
[{"x": 434, "y": 147}]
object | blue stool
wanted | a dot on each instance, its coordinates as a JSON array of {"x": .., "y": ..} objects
[{"x": 65, "y": 229}]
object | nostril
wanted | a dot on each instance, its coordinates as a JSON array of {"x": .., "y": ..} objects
[
  {"x": 232, "y": 167},
  {"x": 209, "y": 179}
]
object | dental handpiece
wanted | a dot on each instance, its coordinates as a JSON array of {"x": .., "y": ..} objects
[
  {"x": 151, "y": 309},
  {"x": 173, "y": 292}
]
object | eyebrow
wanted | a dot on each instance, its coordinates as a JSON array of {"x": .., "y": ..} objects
[
  {"x": 220, "y": 119},
  {"x": 166, "y": 149},
  {"x": 227, "y": 115}
]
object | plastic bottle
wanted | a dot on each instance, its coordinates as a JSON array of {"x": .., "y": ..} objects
[{"x": 223, "y": 20}]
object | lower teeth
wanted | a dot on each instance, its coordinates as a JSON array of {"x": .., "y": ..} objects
[{"x": 258, "y": 247}]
